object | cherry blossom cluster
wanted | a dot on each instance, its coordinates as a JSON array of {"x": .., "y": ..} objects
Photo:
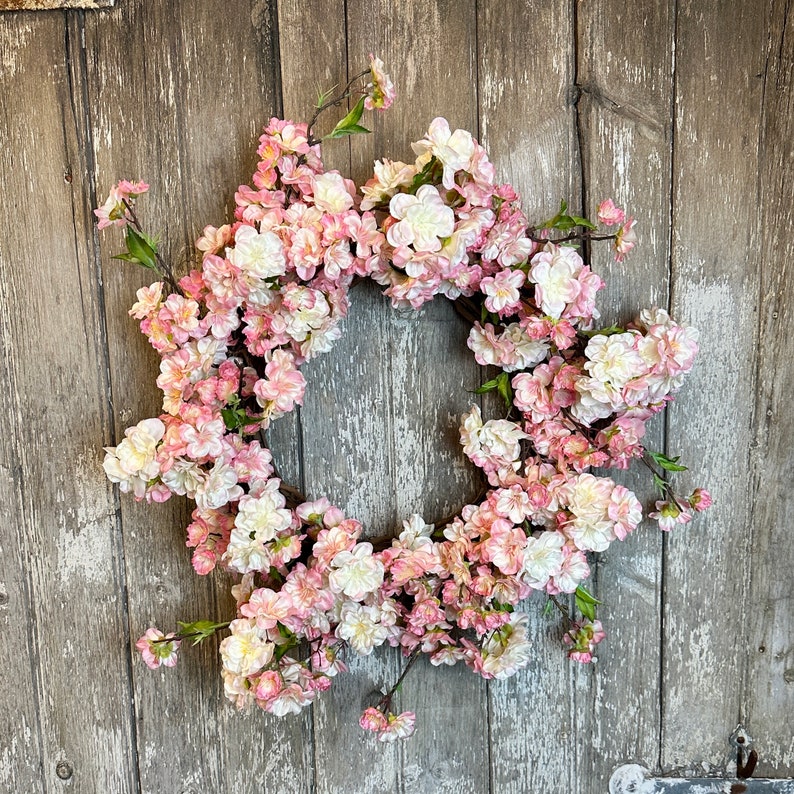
[{"x": 270, "y": 293}]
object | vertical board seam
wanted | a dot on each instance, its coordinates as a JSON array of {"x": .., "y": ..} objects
[{"x": 673, "y": 182}]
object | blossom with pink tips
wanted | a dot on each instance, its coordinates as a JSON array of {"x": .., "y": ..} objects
[
  {"x": 158, "y": 649},
  {"x": 502, "y": 290},
  {"x": 700, "y": 500},
  {"x": 609, "y": 214},
  {"x": 669, "y": 513},
  {"x": 422, "y": 219},
  {"x": 626, "y": 239},
  {"x": 114, "y": 211},
  {"x": 380, "y": 90},
  {"x": 582, "y": 637}
]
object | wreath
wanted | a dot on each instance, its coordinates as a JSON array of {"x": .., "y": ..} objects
[{"x": 271, "y": 292}]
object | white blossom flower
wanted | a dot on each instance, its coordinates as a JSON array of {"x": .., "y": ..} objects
[
  {"x": 331, "y": 192},
  {"x": 356, "y": 572},
  {"x": 542, "y": 559},
  {"x": 554, "y": 272},
  {"x": 422, "y": 220},
  {"x": 260, "y": 255},
  {"x": 359, "y": 625},
  {"x": 247, "y": 650},
  {"x": 508, "y": 649},
  {"x": 454, "y": 150}
]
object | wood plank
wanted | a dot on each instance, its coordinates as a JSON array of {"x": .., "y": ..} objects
[
  {"x": 528, "y": 125},
  {"x": 624, "y": 113},
  {"x": 343, "y": 451},
  {"x": 394, "y": 410},
  {"x": 178, "y": 111},
  {"x": 21, "y": 752},
  {"x": 718, "y": 54},
  {"x": 431, "y": 369},
  {"x": 65, "y": 533},
  {"x": 769, "y": 682}
]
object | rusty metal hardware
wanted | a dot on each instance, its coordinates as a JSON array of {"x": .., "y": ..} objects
[{"x": 635, "y": 779}]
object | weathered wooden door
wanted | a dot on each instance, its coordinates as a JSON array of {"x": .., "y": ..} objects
[{"x": 682, "y": 110}]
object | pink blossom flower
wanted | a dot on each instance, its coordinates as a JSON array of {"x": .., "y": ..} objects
[
  {"x": 380, "y": 90},
  {"x": 626, "y": 239},
  {"x": 158, "y": 649},
  {"x": 149, "y": 301},
  {"x": 583, "y": 636},
  {"x": 609, "y": 214},
  {"x": 284, "y": 386},
  {"x": 670, "y": 513},
  {"x": 700, "y": 500},
  {"x": 372, "y": 720},
  {"x": 114, "y": 211},
  {"x": 399, "y": 726},
  {"x": 502, "y": 291}
]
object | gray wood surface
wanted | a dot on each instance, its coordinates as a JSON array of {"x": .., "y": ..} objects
[
  {"x": 680, "y": 110},
  {"x": 624, "y": 114}
]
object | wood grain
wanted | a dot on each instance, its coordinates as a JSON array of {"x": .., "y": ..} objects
[
  {"x": 769, "y": 681},
  {"x": 178, "y": 111},
  {"x": 528, "y": 126},
  {"x": 21, "y": 751},
  {"x": 624, "y": 108},
  {"x": 66, "y": 577},
  {"x": 715, "y": 287},
  {"x": 681, "y": 111},
  {"x": 429, "y": 473}
]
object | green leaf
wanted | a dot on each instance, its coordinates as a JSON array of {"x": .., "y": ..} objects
[
  {"x": 503, "y": 386},
  {"x": 488, "y": 386},
  {"x": 127, "y": 258},
  {"x": 563, "y": 207},
  {"x": 230, "y": 418},
  {"x": 548, "y": 608},
  {"x": 423, "y": 177},
  {"x": 349, "y": 124},
  {"x": 324, "y": 96},
  {"x": 583, "y": 222},
  {"x": 564, "y": 223},
  {"x": 613, "y": 329},
  {"x": 586, "y": 603},
  {"x": 660, "y": 484},
  {"x": 669, "y": 464},
  {"x": 200, "y": 630},
  {"x": 140, "y": 248},
  {"x": 356, "y": 129},
  {"x": 586, "y": 596}
]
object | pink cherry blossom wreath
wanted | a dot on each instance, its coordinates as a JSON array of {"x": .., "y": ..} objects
[{"x": 271, "y": 292}]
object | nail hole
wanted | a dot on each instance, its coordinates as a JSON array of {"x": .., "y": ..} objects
[
  {"x": 762, "y": 649},
  {"x": 64, "y": 770}
]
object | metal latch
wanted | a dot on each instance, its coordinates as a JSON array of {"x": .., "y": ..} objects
[{"x": 635, "y": 779}]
